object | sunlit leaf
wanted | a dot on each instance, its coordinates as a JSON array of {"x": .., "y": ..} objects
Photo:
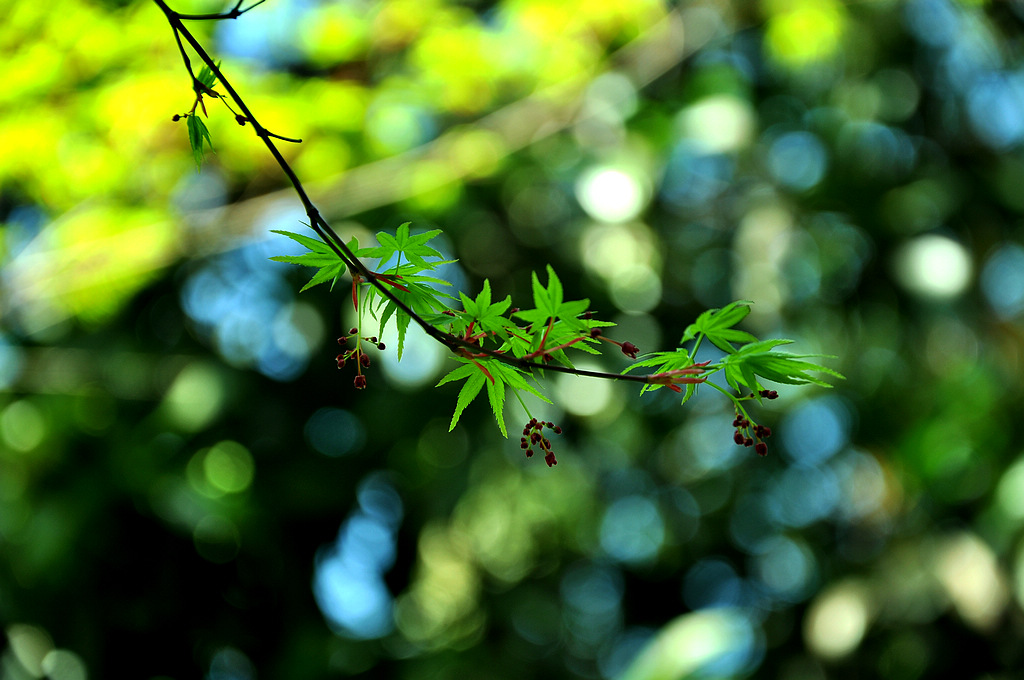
[{"x": 198, "y": 136}]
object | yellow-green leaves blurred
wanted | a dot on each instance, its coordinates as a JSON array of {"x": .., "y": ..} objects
[
  {"x": 87, "y": 138},
  {"x": 89, "y": 262},
  {"x": 801, "y": 33}
]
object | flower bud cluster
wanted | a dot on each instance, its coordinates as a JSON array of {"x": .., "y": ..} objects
[
  {"x": 357, "y": 354},
  {"x": 751, "y": 434},
  {"x": 533, "y": 436}
]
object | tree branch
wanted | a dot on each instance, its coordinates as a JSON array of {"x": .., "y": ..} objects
[
  {"x": 234, "y": 13},
  {"x": 326, "y": 233}
]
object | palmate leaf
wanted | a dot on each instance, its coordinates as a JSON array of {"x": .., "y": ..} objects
[
  {"x": 758, "y": 360},
  {"x": 320, "y": 255},
  {"x": 549, "y": 303},
  {"x": 717, "y": 326},
  {"x": 419, "y": 295},
  {"x": 207, "y": 77},
  {"x": 474, "y": 382},
  {"x": 497, "y": 377},
  {"x": 412, "y": 248},
  {"x": 485, "y": 316},
  {"x": 198, "y": 136}
]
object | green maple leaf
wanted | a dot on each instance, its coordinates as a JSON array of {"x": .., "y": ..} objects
[
  {"x": 198, "y": 136},
  {"x": 717, "y": 326},
  {"x": 206, "y": 76},
  {"x": 485, "y": 316},
  {"x": 496, "y": 376},
  {"x": 550, "y": 305},
  {"x": 413, "y": 248},
  {"x": 757, "y": 359},
  {"x": 320, "y": 256}
]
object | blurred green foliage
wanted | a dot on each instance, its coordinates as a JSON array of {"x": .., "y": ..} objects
[{"x": 187, "y": 487}]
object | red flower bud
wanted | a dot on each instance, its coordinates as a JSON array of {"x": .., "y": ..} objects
[
  {"x": 761, "y": 449},
  {"x": 630, "y": 350},
  {"x": 360, "y": 382}
]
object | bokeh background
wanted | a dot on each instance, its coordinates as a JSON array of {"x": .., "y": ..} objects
[{"x": 190, "y": 488}]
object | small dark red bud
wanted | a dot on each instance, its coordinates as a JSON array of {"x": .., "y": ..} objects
[
  {"x": 373, "y": 339},
  {"x": 175, "y": 118},
  {"x": 364, "y": 359},
  {"x": 342, "y": 340},
  {"x": 534, "y": 438},
  {"x": 595, "y": 332},
  {"x": 513, "y": 310},
  {"x": 630, "y": 350},
  {"x": 526, "y": 432},
  {"x": 558, "y": 429},
  {"x": 766, "y": 432},
  {"x": 448, "y": 312},
  {"x": 529, "y": 453},
  {"x": 353, "y": 330},
  {"x": 524, "y": 445},
  {"x": 360, "y": 382},
  {"x": 240, "y": 119},
  {"x": 588, "y": 315},
  {"x": 381, "y": 346},
  {"x": 761, "y": 449},
  {"x": 749, "y": 441},
  {"x": 739, "y": 438},
  {"x": 550, "y": 459}
]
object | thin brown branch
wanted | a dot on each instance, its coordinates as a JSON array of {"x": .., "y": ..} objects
[
  {"x": 233, "y": 13},
  {"x": 326, "y": 233}
]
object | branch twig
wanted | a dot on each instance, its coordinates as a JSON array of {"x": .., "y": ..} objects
[{"x": 324, "y": 230}]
